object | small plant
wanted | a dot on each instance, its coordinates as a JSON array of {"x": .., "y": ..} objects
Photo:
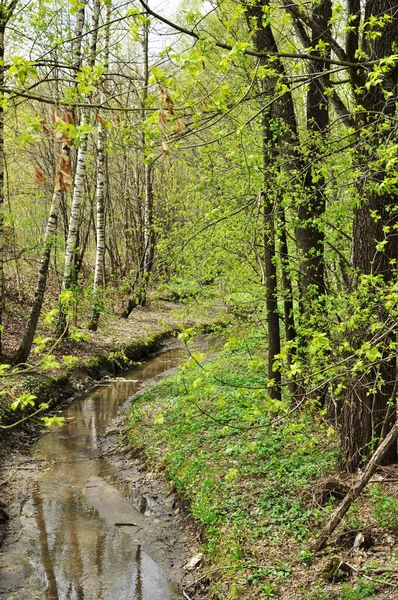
[
  {"x": 363, "y": 589},
  {"x": 23, "y": 401},
  {"x": 352, "y": 519},
  {"x": 306, "y": 556},
  {"x": 317, "y": 593},
  {"x": 385, "y": 508}
]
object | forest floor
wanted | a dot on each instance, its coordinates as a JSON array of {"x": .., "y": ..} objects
[{"x": 261, "y": 479}]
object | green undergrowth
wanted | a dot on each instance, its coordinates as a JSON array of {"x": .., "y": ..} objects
[{"x": 245, "y": 464}]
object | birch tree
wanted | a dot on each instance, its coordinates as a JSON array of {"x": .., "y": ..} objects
[
  {"x": 78, "y": 187},
  {"x": 100, "y": 191},
  {"x": 62, "y": 184}
]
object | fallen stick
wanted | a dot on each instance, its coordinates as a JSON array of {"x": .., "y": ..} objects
[{"x": 353, "y": 494}]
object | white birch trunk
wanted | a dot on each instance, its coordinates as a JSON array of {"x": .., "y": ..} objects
[
  {"x": 148, "y": 223},
  {"x": 78, "y": 186},
  {"x": 148, "y": 196},
  {"x": 77, "y": 46},
  {"x": 100, "y": 195},
  {"x": 74, "y": 220}
]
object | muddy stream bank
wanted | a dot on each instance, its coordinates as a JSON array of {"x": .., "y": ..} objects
[{"x": 89, "y": 527}]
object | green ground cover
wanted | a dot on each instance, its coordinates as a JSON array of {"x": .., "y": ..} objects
[{"x": 247, "y": 465}]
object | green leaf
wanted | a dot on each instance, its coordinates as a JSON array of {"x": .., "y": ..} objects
[
  {"x": 49, "y": 362},
  {"x": 24, "y": 400},
  {"x": 51, "y": 421},
  {"x": 159, "y": 419},
  {"x": 70, "y": 360},
  {"x": 231, "y": 475}
]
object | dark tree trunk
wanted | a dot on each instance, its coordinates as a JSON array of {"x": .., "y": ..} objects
[
  {"x": 309, "y": 233},
  {"x": 3, "y": 22},
  {"x": 370, "y": 411},
  {"x": 23, "y": 351},
  {"x": 139, "y": 288},
  {"x": 275, "y": 145},
  {"x": 271, "y": 295}
]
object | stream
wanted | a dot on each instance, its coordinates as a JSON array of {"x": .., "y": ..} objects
[{"x": 81, "y": 536}]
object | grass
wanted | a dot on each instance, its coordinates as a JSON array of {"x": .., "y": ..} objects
[{"x": 245, "y": 463}]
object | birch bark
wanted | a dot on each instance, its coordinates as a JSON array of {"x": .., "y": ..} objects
[
  {"x": 78, "y": 190},
  {"x": 100, "y": 195},
  {"x": 61, "y": 154}
]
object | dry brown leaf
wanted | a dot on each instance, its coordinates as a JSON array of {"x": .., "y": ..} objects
[
  {"x": 180, "y": 125},
  {"x": 101, "y": 120},
  {"x": 167, "y": 99},
  {"x": 162, "y": 118},
  {"x": 44, "y": 127},
  {"x": 40, "y": 178},
  {"x": 63, "y": 176},
  {"x": 67, "y": 117},
  {"x": 165, "y": 148},
  {"x": 116, "y": 119}
]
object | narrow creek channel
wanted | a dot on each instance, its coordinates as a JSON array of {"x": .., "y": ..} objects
[{"x": 81, "y": 536}]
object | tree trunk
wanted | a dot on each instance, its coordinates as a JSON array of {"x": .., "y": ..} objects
[
  {"x": 78, "y": 191},
  {"x": 309, "y": 233},
  {"x": 23, "y": 351},
  {"x": 271, "y": 295},
  {"x": 73, "y": 229},
  {"x": 2, "y": 166},
  {"x": 281, "y": 111},
  {"x": 100, "y": 195},
  {"x": 139, "y": 287},
  {"x": 370, "y": 410}
]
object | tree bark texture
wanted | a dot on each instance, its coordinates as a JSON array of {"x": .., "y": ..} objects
[
  {"x": 23, "y": 351},
  {"x": 370, "y": 410},
  {"x": 309, "y": 233},
  {"x": 100, "y": 193},
  {"x": 78, "y": 189},
  {"x": 139, "y": 288},
  {"x": 2, "y": 166}
]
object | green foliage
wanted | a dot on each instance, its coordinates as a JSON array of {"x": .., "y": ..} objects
[
  {"x": 385, "y": 508},
  {"x": 23, "y": 401},
  {"x": 212, "y": 428},
  {"x": 50, "y": 422},
  {"x": 21, "y": 70},
  {"x": 77, "y": 335},
  {"x": 362, "y": 589},
  {"x": 41, "y": 343},
  {"x": 70, "y": 360},
  {"x": 49, "y": 362}
]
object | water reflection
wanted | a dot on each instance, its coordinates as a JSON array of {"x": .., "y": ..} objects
[{"x": 69, "y": 523}]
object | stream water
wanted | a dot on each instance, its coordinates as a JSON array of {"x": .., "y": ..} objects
[{"x": 82, "y": 537}]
